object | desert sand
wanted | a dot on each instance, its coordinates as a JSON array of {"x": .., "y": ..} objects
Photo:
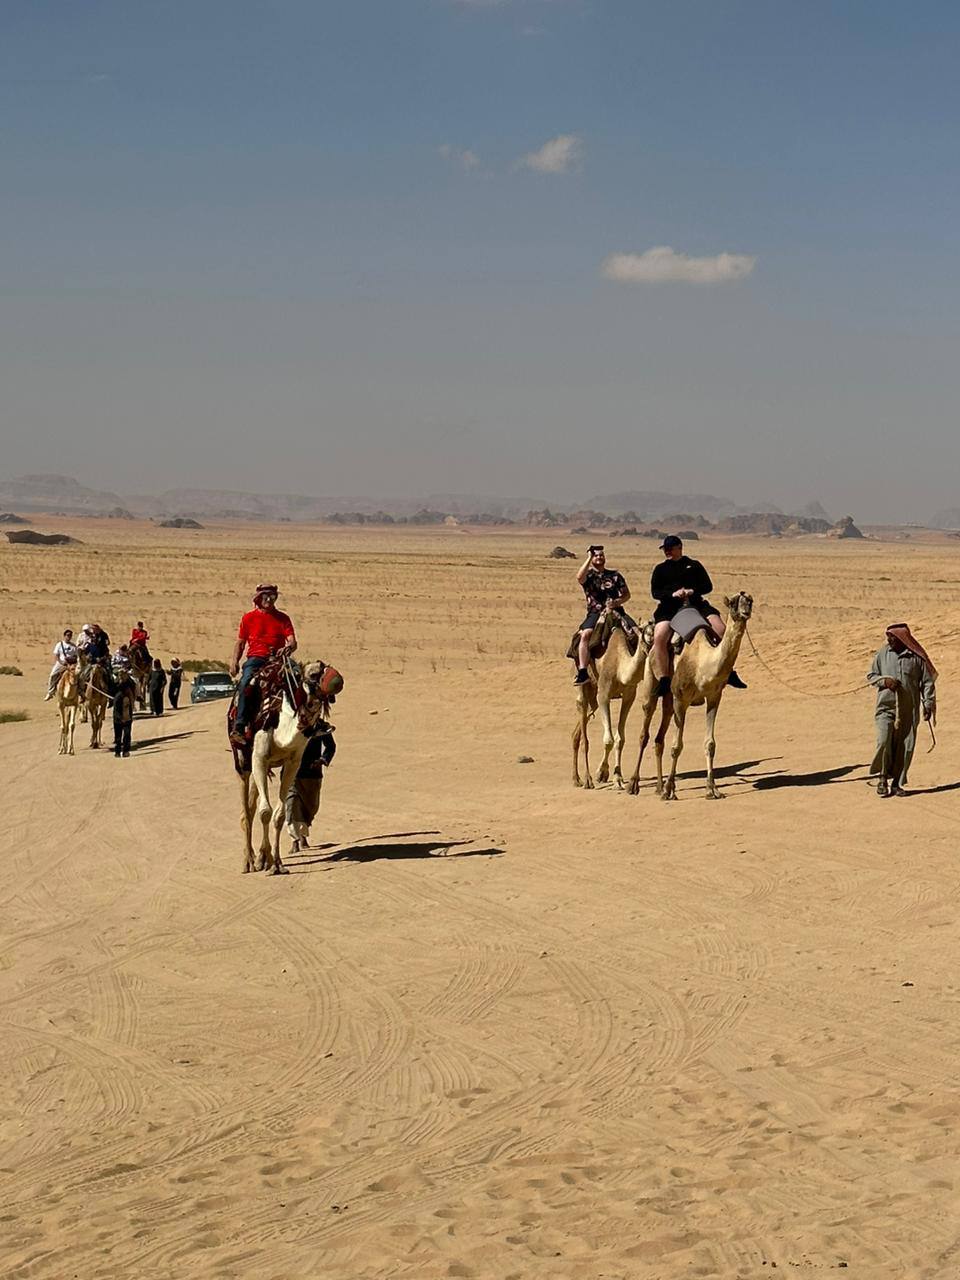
[{"x": 491, "y": 1025}]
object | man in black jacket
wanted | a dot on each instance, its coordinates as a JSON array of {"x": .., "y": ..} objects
[{"x": 680, "y": 583}]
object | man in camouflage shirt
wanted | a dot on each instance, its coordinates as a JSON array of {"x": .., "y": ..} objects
[{"x": 605, "y": 589}]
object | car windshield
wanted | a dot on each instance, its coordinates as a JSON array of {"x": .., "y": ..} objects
[{"x": 213, "y": 677}]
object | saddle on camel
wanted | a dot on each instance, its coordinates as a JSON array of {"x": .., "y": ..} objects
[{"x": 309, "y": 690}]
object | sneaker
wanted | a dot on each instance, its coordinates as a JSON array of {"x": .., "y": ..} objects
[
  {"x": 48, "y": 695},
  {"x": 734, "y": 681},
  {"x": 125, "y": 754},
  {"x": 582, "y": 676},
  {"x": 882, "y": 788}
]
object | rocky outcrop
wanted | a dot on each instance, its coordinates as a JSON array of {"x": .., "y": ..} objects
[
  {"x": 42, "y": 539},
  {"x": 845, "y": 528},
  {"x": 560, "y": 553},
  {"x": 180, "y": 522}
]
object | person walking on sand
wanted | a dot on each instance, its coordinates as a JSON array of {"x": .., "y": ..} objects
[
  {"x": 676, "y": 583},
  {"x": 905, "y": 681},
  {"x": 176, "y": 679},
  {"x": 264, "y": 631},
  {"x": 157, "y": 682},
  {"x": 65, "y": 654},
  {"x": 123, "y": 703},
  {"x": 605, "y": 589}
]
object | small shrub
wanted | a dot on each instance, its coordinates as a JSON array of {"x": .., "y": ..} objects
[
  {"x": 10, "y": 671},
  {"x": 11, "y": 717},
  {"x": 205, "y": 664}
]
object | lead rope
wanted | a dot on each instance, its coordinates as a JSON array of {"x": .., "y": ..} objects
[{"x": 841, "y": 693}]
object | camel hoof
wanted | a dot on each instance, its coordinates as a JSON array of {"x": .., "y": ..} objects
[
  {"x": 715, "y": 795},
  {"x": 634, "y": 787},
  {"x": 588, "y": 785},
  {"x": 577, "y": 782},
  {"x": 603, "y": 775},
  {"x": 281, "y": 870}
]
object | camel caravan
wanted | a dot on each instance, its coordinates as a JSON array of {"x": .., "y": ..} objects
[{"x": 684, "y": 657}]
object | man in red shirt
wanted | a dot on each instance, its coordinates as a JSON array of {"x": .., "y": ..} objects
[
  {"x": 264, "y": 631},
  {"x": 138, "y": 639}
]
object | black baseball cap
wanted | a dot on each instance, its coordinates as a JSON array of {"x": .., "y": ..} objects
[
  {"x": 671, "y": 541},
  {"x": 597, "y": 546}
]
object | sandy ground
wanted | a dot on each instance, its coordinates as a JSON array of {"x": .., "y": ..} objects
[{"x": 491, "y": 1026}]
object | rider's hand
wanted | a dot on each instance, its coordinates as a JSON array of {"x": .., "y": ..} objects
[
  {"x": 889, "y": 683},
  {"x": 234, "y": 672}
]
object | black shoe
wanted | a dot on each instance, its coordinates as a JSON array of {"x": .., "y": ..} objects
[
  {"x": 582, "y": 676},
  {"x": 882, "y": 789},
  {"x": 663, "y": 688},
  {"x": 734, "y": 681}
]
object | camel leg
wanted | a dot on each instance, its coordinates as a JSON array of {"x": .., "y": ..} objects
[
  {"x": 288, "y": 779},
  {"x": 263, "y": 807},
  {"x": 627, "y": 699},
  {"x": 710, "y": 747},
  {"x": 71, "y": 730},
  {"x": 648, "y": 709},
  {"x": 661, "y": 738},
  {"x": 62, "y": 749},
  {"x": 603, "y": 702},
  {"x": 585, "y": 741},
  {"x": 679, "y": 717},
  {"x": 246, "y": 822},
  {"x": 576, "y": 736}
]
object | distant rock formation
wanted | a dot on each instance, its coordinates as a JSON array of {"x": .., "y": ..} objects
[
  {"x": 7, "y": 517},
  {"x": 772, "y": 525},
  {"x": 844, "y": 528},
  {"x": 42, "y": 539},
  {"x": 947, "y": 519},
  {"x": 560, "y": 553},
  {"x": 180, "y": 522}
]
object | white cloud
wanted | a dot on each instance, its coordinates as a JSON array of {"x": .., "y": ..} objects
[
  {"x": 561, "y": 154},
  {"x": 462, "y": 157},
  {"x": 665, "y": 264}
]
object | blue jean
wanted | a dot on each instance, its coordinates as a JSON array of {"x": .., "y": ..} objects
[{"x": 250, "y": 668}]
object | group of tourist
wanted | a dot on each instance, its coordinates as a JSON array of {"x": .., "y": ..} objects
[
  {"x": 901, "y": 672},
  {"x": 128, "y": 662}
]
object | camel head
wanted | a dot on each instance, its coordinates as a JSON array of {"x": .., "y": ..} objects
[{"x": 740, "y": 606}]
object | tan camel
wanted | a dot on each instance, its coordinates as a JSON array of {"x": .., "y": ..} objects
[
  {"x": 279, "y": 748},
  {"x": 68, "y": 700},
  {"x": 615, "y": 674},
  {"x": 96, "y": 699},
  {"x": 699, "y": 678},
  {"x": 586, "y": 706}
]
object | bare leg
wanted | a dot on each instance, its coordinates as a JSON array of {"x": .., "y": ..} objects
[
  {"x": 679, "y": 718},
  {"x": 717, "y": 625},
  {"x": 710, "y": 747},
  {"x": 659, "y": 655},
  {"x": 583, "y": 658}
]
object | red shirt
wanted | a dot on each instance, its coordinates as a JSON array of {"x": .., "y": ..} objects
[
  {"x": 264, "y": 631},
  {"x": 139, "y": 636}
]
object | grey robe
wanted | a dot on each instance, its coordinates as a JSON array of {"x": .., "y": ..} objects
[{"x": 897, "y": 713}]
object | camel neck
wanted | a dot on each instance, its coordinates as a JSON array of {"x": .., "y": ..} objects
[{"x": 730, "y": 644}]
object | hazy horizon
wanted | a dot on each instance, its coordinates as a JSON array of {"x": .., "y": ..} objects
[{"x": 547, "y": 247}]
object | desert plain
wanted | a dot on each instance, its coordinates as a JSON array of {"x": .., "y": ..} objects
[{"x": 490, "y": 1025}]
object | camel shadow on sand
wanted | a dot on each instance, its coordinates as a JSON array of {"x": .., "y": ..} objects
[
  {"x": 388, "y": 849},
  {"x": 148, "y": 745},
  {"x": 819, "y": 778}
]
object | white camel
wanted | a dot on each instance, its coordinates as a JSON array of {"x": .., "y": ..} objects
[
  {"x": 68, "y": 700},
  {"x": 282, "y": 748}
]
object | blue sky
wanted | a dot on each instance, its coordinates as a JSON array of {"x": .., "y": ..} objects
[{"x": 337, "y": 248}]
